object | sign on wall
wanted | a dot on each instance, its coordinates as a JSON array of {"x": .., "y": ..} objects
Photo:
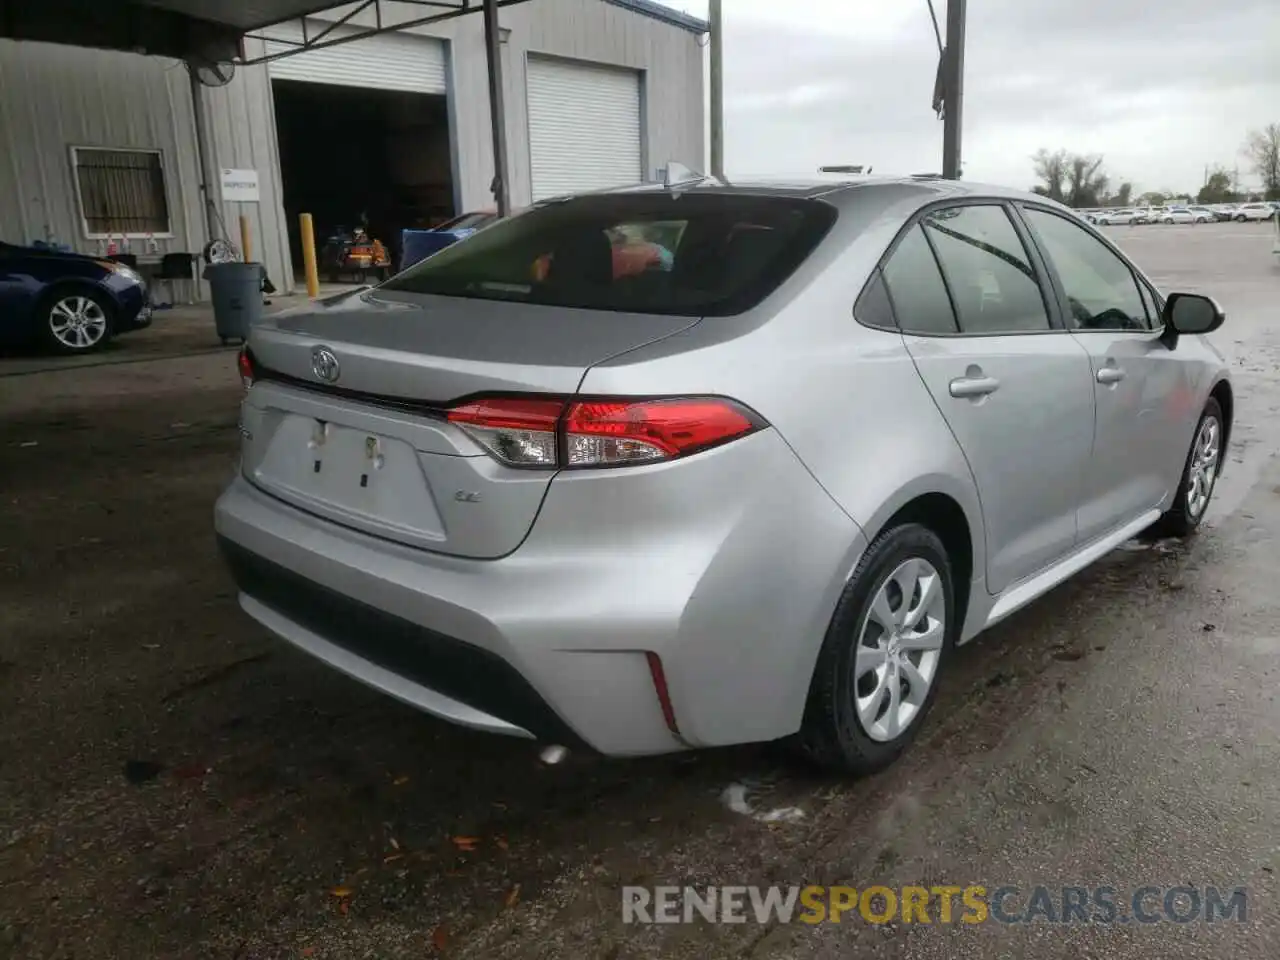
[{"x": 240, "y": 185}]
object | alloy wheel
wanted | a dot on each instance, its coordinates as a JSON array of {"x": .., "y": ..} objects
[
  {"x": 899, "y": 648},
  {"x": 1203, "y": 469},
  {"x": 78, "y": 322}
]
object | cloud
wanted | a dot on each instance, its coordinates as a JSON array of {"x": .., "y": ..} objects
[{"x": 1161, "y": 90}]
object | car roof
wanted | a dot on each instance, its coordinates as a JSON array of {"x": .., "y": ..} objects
[{"x": 839, "y": 191}]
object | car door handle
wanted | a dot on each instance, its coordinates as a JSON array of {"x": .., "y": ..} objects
[
  {"x": 974, "y": 386},
  {"x": 1110, "y": 374}
]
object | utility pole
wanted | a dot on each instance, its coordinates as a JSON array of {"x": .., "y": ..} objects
[
  {"x": 497, "y": 108},
  {"x": 953, "y": 91},
  {"x": 717, "y": 90}
]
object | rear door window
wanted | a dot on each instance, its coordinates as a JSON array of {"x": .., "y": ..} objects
[
  {"x": 990, "y": 276},
  {"x": 691, "y": 254}
]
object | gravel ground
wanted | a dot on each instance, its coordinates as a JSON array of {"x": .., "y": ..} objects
[{"x": 175, "y": 784}]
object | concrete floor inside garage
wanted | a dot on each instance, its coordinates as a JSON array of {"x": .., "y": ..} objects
[{"x": 174, "y": 783}]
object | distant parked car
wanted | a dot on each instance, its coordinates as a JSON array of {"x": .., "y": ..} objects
[
  {"x": 1254, "y": 211},
  {"x": 1126, "y": 215},
  {"x": 68, "y": 302},
  {"x": 1224, "y": 211},
  {"x": 1185, "y": 215},
  {"x": 1203, "y": 214}
]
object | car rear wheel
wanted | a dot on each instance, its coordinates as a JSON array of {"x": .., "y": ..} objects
[
  {"x": 1241, "y": 218},
  {"x": 1199, "y": 476},
  {"x": 877, "y": 672},
  {"x": 76, "y": 321}
]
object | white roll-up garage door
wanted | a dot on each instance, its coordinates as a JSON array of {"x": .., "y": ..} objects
[
  {"x": 390, "y": 61},
  {"x": 584, "y": 126}
]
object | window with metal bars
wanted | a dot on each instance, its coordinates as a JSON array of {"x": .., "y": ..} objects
[{"x": 121, "y": 191}]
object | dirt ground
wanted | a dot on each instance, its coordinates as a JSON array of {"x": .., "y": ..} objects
[{"x": 174, "y": 783}]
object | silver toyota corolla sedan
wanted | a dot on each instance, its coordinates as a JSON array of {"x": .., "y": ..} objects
[{"x": 674, "y": 467}]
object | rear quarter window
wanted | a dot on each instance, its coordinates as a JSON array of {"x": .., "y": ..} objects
[{"x": 689, "y": 254}]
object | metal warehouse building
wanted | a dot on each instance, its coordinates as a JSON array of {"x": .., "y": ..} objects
[{"x": 377, "y": 111}]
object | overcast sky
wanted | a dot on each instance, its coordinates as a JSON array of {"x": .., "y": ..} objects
[{"x": 1159, "y": 88}]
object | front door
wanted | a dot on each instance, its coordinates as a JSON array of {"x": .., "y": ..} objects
[
  {"x": 1016, "y": 392},
  {"x": 1132, "y": 378}
]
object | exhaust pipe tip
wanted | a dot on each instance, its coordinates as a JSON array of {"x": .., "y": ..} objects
[{"x": 553, "y": 754}]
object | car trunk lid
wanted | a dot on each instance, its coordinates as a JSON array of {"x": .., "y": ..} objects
[{"x": 347, "y": 419}]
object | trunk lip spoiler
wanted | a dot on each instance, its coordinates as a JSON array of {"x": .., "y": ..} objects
[{"x": 428, "y": 408}]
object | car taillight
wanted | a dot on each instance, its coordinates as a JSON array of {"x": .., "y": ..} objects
[
  {"x": 519, "y": 432},
  {"x": 245, "y": 363},
  {"x": 608, "y": 432}
]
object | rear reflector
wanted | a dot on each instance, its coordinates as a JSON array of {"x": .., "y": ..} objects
[
  {"x": 611, "y": 432},
  {"x": 660, "y": 688}
]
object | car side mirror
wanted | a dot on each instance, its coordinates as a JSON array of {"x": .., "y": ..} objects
[{"x": 1191, "y": 313}]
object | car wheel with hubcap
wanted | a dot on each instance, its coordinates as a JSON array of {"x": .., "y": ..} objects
[
  {"x": 77, "y": 321},
  {"x": 1199, "y": 475},
  {"x": 876, "y": 675}
]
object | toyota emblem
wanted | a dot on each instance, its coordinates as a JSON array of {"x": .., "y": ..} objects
[{"x": 325, "y": 365}]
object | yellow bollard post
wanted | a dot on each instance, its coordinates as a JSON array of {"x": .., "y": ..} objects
[
  {"x": 246, "y": 240},
  {"x": 309, "y": 255}
]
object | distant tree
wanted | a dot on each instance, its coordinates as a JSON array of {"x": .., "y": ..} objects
[
  {"x": 1124, "y": 194},
  {"x": 1218, "y": 188},
  {"x": 1086, "y": 183},
  {"x": 1262, "y": 149},
  {"x": 1076, "y": 179},
  {"x": 1153, "y": 198},
  {"x": 1051, "y": 171}
]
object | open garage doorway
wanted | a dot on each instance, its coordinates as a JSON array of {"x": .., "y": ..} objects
[{"x": 352, "y": 156}]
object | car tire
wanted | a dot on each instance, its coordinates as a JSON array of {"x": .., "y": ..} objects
[
  {"x": 1241, "y": 218},
  {"x": 853, "y": 723},
  {"x": 75, "y": 320},
  {"x": 1195, "y": 489}
]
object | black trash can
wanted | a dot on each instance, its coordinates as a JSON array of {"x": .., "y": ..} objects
[{"x": 236, "y": 291}]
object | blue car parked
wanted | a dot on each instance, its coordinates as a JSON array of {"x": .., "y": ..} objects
[{"x": 68, "y": 302}]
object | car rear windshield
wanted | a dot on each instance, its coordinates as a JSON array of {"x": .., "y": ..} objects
[{"x": 689, "y": 254}]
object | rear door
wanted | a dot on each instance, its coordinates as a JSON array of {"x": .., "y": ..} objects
[
  {"x": 1015, "y": 391},
  {"x": 1134, "y": 382}
]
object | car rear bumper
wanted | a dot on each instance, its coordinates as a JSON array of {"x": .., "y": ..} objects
[
  {"x": 443, "y": 676},
  {"x": 732, "y": 585}
]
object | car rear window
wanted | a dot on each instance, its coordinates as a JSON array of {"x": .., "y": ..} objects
[{"x": 662, "y": 253}]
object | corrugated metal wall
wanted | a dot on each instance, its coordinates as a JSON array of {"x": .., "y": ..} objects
[
  {"x": 242, "y": 128},
  {"x": 54, "y": 97}
]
